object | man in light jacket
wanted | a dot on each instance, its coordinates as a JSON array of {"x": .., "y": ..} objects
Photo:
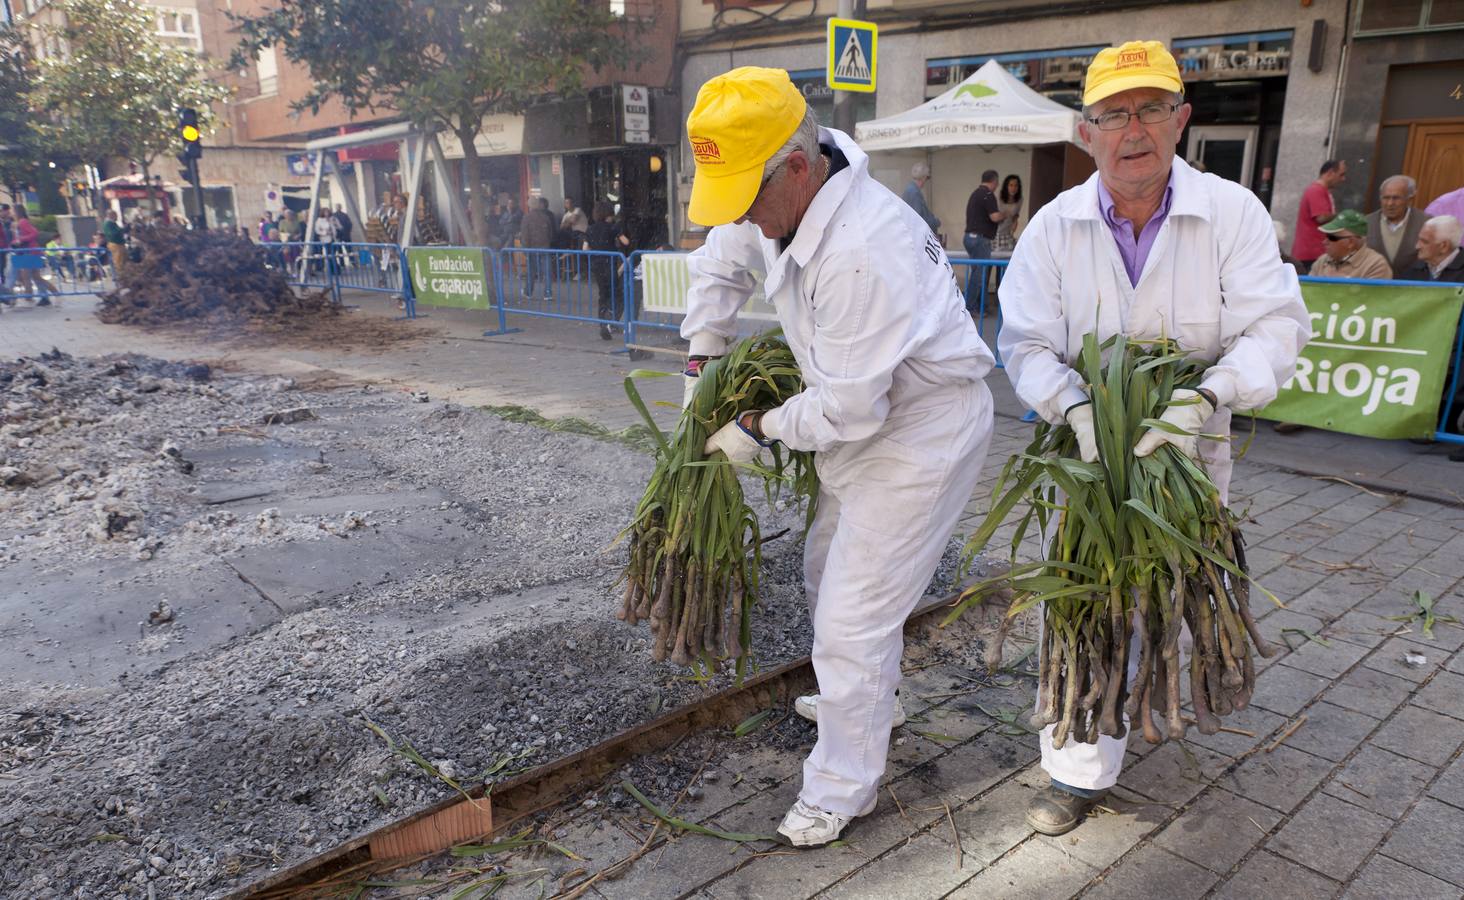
[
  {"x": 894, "y": 403},
  {"x": 1146, "y": 247}
]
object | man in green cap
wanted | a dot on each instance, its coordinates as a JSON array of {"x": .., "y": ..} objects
[{"x": 1347, "y": 254}]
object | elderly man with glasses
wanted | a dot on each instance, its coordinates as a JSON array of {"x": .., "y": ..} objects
[
  {"x": 1347, "y": 254},
  {"x": 1393, "y": 228},
  {"x": 895, "y": 405},
  {"x": 1147, "y": 247}
]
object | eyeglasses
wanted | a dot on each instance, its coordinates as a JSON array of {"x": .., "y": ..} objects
[
  {"x": 1339, "y": 237},
  {"x": 1148, "y": 114}
]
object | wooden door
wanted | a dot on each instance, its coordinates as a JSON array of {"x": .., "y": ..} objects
[{"x": 1435, "y": 157}]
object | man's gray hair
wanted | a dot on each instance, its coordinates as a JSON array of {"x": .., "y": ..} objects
[
  {"x": 1409, "y": 184},
  {"x": 920, "y": 170},
  {"x": 1174, "y": 97},
  {"x": 804, "y": 138},
  {"x": 1446, "y": 228}
]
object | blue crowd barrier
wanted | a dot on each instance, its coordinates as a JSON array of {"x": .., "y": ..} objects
[
  {"x": 55, "y": 272},
  {"x": 591, "y": 286},
  {"x": 978, "y": 288}
]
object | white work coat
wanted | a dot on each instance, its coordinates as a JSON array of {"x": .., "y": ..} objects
[
  {"x": 867, "y": 299},
  {"x": 1214, "y": 281},
  {"x": 894, "y": 403}
]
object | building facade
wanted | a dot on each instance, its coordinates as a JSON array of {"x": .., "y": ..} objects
[{"x": 1263, "y": 78}]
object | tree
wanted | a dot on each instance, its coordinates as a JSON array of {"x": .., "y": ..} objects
[
  {"x": 442, "y": 64},
  {"x": 116, "y": 88},
  {"x": 22, "y": 154}
]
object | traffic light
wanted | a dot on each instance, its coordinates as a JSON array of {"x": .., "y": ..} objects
[{"x": 188, "y": 131}]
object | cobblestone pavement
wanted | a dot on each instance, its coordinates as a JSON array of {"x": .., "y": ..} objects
[{"x": 1343, "y": 779}]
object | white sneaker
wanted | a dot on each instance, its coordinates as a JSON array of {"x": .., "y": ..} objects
[
  {"x": 807, "y": 707},
  {"x": 809, "y": 826}
]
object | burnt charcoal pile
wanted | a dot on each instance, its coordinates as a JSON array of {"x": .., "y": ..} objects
[{"x": 211, "y": 275}]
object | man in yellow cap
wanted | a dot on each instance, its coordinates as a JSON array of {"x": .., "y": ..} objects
[
  {"x": 894, "y": 404},
  {"x": 1147, "y": 247}
]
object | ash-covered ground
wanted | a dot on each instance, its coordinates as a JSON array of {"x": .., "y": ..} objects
[{"x": 224, "y": 595}]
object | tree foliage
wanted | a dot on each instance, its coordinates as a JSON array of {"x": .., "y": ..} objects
[
  {"x": 23, "y": 153},
  {"x": 442, "y": 64},
  {"x": 116, "y": 88}
]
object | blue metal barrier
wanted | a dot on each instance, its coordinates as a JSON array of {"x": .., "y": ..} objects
[
  {"x": 977, "y": 288},
  {"x": 592, "y": 286},
  {"x": 55, "y": 272},
  {"x": 1451, "y": 391}
]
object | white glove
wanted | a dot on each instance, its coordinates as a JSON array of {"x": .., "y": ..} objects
[
  {"x": 735, "y": 441},
  {"x": 1080, "y": 419},
  {"x": 1187, "y": 411}
]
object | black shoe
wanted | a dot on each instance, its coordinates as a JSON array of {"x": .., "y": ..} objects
[
  {"x": 44, "y": 301},
  {"x": 1055, "y": 811},
  {"x": 604, "y": 332},
  {"x": 1457, "y": 455}
]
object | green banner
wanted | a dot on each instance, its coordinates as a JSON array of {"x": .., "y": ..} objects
[
  {"x": 456, "y": 277},
  {"x": 1377, "y": 362}
]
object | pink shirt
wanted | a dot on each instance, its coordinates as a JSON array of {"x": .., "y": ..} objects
[
  {"x": 1450, "y": 204},
  {"x": 1309, "y": 244}
]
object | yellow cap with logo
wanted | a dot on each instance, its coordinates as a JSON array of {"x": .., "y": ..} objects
[
  {"x": 739, "y": 121},
  {"x": 1136, "y": 64}
]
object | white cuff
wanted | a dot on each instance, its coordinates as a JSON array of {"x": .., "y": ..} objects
[{"x": 704, "y": 343}]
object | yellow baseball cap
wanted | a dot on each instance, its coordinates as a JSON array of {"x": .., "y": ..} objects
[
  {"x": 740, "y": 120},
  {"x": 1136, "y": 64}
]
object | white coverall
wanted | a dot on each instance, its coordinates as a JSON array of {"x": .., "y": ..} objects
[
  {"x": 1213, "y": 280},
  {"x": 896, "y": 408}
]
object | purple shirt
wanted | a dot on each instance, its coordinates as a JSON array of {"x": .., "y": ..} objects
[{"x": 1134, "y": 252}]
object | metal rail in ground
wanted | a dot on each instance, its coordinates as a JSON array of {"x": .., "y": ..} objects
[{"x": 456, "y": 820}]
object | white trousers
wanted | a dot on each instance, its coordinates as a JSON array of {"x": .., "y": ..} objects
[
  {"x": 886, "y": 510},
  {"x": 1095, "y": 767}
]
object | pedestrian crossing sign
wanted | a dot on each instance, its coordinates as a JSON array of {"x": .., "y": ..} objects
[{"x": 852, "y": 62}]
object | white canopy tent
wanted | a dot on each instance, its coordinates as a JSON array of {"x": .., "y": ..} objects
[{"x": 987, "y": 109}]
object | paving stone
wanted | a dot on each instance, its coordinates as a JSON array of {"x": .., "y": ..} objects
[
  {"x": 909, "y": 750},
  {"x": 1431, "y": 840},
  {"x": 1284, "y": 690},
  {"x": 1370, "y": 692},
  {"x": 1289, "y": 581},
  {"x": 1169, "y": 774},
  {"x": 1389, "y": 658},
  {"x": 1281, "y": 779},
  {"x": 1261, "y": 560},
  {"x": 1380, "y": 781},
  {"x": 925, "y": 867},
  {"x": 1034, "y": 871},
  {"x": 1268, "y": 875},
  {"x": 1422, "y": 735},
  {"x": 1252, "y": 718},
  {"x": 1331, "y": 732},
  {"x": 1330, "y": 836},
  {"x": 1446, "y": 636},
  {"x": 1385, "y": 524},
  {"x": 1152, "y": 872},
  {"x": 1456, "y": 664},
  {"x": 970, "y": 769},
  {"x": 1450, "y": 785},
  {"x": 948, "y": 726},
  {"x": 1329, "y": 660},
  {"x": 1361, "y": 628},
  {"x": 1218, "y": 830},
  {"x": 1387, "y": 879},
  {"x": 1444, "y": 694},
  {"x": 994, "y": 823},
  {"x": 682, "y": 864}
]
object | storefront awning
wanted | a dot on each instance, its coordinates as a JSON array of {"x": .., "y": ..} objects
[{"x": 989, "y": 108}]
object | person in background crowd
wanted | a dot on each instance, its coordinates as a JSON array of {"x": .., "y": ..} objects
[
  {"x": 1146, "y": 247},
  {"x": 537, "y": 231},
  {"x": 1010, "y": 203},
  {"x": 343, "y": 224},
  {"x": 1347, "y": 254},
  {"x": 605, "y": 236},
  {"x": 116, "y": 240},
  {"x": 325, "y": 233},
  {"x": 1316, "y": 210},
  {"x": 1450, "y": 204},
  {"x": 493, "y": 238},
  {"x": 29, "y": 267},
  {"x": 574, "y": 224},
  {"x": 1439, "y": 258},
  {"x": 7, "y": 271},
  {"x": 510, "y": 218},
  {"x": 983, "y": 214},
  {"x": 915, "y": 195},
  {"x": 1392, "y": 230},
  {"x": 265, "y": 221}
]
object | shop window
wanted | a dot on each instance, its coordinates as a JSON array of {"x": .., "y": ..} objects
[
  {"x": 1398, "y": 16},
  {"x": 268, "y": 67}
]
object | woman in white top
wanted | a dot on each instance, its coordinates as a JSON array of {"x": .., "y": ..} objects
[{"x": 1009, "y": 200}]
